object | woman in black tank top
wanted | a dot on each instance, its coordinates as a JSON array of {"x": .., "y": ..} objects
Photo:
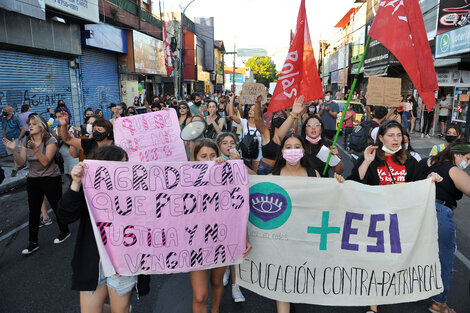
[
  {"x": 270, "y": 140},
  {"x": 449, "y": 164}
]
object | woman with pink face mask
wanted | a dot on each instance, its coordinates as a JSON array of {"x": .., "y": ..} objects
[{"x": 293, "y": 161}]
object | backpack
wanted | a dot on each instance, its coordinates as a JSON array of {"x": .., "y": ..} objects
[
  {"x": 249, "y": 145},
  {"x": 359, "y": 139}
]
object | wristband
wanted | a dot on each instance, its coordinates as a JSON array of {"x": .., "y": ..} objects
[{"x": 294, "y": 116}]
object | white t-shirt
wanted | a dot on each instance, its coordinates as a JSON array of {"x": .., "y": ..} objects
[
  {"x": 245, "y": 129},
  {"x": 444, "y": 111}
]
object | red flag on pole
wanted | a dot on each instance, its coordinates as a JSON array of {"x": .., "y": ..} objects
[
  {"x": 168, "y": 52},
  {"x": 399, "y": 26},
  {"x": 299, "y": 75}
]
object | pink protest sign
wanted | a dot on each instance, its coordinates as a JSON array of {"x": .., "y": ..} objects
[
  {"x": 152, "y": 218},
  {"x": 151, "y": 137}
]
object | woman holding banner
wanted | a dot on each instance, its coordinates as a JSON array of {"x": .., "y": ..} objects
[
  {"x": 206, "y": 150},
  {"x": 293, "y": 161},
  {"x": 386, "y": 163},
  {"x": 450, "y": 164},
  {"x": 87, "y": 271}
]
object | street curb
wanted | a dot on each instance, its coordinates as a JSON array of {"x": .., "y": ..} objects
[{"x": 4, "y": 188}]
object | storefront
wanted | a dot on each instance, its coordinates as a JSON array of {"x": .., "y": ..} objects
[
  {"x": 36, "y": 80},
  {"x": 455, "y": 84},
  {"x": 144, "y": 64}
]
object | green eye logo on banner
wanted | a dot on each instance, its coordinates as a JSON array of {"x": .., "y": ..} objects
[{"x": 270, "y": 206}]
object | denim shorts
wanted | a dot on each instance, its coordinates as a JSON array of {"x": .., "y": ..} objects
[{"x": 122, "y": 284}]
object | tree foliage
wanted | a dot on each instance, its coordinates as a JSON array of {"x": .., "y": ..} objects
[{"x": 264, "y": 69}]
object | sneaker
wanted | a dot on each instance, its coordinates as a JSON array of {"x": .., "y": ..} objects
[
  {"x": 33, "y": 246},
  {"x": 427, "y": 136},
  {"x": 226, "y": 276},
  {"x": 237, "y": 294},
  {"x": 422, "y": 135},
  {"x": 13, "y": 173},
  {"x": 62, "y": 237},
  {"x": 45, "y": 222}
]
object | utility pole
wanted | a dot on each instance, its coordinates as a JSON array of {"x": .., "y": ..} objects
[
  {"x": 181, "y": 70},
  {"x": 234, "y": 52}
]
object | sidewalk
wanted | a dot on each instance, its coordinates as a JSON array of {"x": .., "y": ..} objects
[{"x": 6, "y": 162}]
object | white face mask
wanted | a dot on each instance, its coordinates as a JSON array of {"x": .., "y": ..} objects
[
  {"x": 387, "y": 150},
  {"x": 463, "y": 164},
  {"x": 327, "y": 98}
]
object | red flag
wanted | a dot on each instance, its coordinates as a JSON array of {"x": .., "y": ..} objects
[
  {"x": 299, "y": 75},
  {"x": 399, "y": 26},
  {"x": 168, "y": 52}
]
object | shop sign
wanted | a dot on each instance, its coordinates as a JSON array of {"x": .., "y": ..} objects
[
  {"x": 148, "y": 54},
  {"x": 343, "y": 56},
  {"x": 454, "y": 42},
  {"x": 453, "y": 14},
  {"x": 84, "y": 9},
  {"x": 106, "y": 37},
  {"x": 334, "y": 62}
]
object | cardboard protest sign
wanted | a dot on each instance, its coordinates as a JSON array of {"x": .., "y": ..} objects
[
  {"x": 151, "y": 218},
  {"x": 251, "y": 91},
  {"x": 153, "y": 136},
  {"x": 385, "y": 91},
  {"x": 316, "y": 241}
]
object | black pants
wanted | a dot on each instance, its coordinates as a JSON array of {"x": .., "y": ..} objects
[
  {"x": 427, "y": 119},
  {"x": 37, "y": 188},
  {"x": 347, "y": 131}
]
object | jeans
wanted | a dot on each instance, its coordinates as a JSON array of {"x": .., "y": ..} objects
[
  {"x": 406, "y": 120},
  {"x": 263, "y": 169},
  {"x": 447, "y": 247},
  {"x": 37, "y": 188}
]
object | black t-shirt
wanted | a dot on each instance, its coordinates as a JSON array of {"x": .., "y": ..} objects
[
  {"x": 88, "y": 146},
  {"x": 315, "y": 162},
  {"x": 446, "y": 189}
]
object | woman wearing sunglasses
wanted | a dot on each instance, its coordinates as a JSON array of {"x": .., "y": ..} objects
[{"x": 184, "y": 114}]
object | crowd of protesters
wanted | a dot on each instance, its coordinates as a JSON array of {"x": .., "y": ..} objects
[{"x": 286, "y": 143}]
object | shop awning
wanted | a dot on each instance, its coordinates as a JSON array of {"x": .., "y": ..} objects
[
  {"x": 446, "y": 62},
  {"x": 376, "y": 71},
  {"x": 354, "y": 68}
]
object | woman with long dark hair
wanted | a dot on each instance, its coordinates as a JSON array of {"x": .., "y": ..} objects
[
  {"x": 450, "y": 164},
  {"x": 39, "y": 149},
  {"x": 387, "y": 162}
]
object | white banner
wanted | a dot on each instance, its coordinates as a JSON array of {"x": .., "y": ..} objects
[{"x": 320, "y": 242}]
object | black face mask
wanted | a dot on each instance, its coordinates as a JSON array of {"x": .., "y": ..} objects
[
  {"x": 277, "y": 121},
  {"x": 198, "y": 103},
  {"x": 99, "y": 136},
  {"x": 5, "y": 113},
  {"x": 450, "y": 138}
]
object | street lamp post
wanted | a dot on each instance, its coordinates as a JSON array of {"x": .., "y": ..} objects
[{"x": 181, "y": 74}]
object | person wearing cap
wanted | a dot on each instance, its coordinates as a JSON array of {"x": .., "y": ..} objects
[{"x": 450, "y": 164}]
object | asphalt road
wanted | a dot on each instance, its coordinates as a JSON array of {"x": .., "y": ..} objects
[{"x": 40, "y": 283}]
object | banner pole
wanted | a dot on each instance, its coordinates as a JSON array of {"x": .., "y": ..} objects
[{"x": 347, "y": 104}]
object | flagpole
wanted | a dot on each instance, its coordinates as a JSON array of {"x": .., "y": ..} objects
[{"x": 347, "y": 104}]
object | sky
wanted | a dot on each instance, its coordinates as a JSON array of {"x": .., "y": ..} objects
[{"x": 264, "y": 23}]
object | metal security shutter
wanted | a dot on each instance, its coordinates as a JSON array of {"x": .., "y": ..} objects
[
  {"x": 37, "y": 80},
  {"x": 99, "y": 79}
]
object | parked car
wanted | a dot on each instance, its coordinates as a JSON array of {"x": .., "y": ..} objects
[{"x": 357, "y": 107}]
